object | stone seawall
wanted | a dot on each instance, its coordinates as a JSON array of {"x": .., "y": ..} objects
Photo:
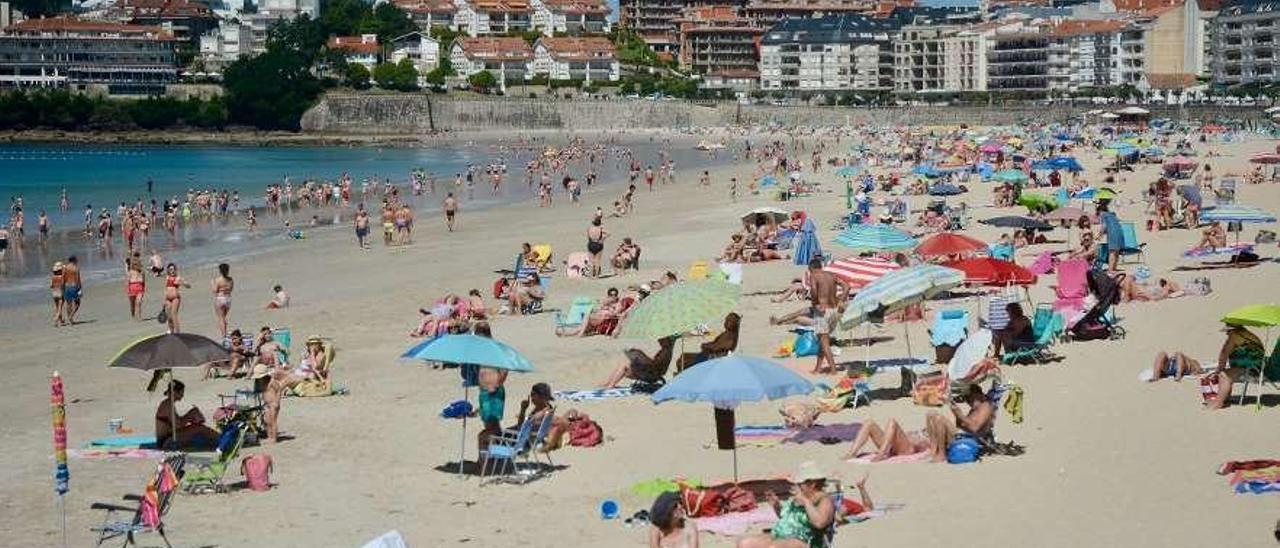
[{"x": 403, "y": 114}]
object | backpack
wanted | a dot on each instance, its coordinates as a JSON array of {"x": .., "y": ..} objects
[
  {"x": 701, "y": 503},
  {"x": 963, "y": 450},
  {"x": 585, "y": 432},
  {"x": 737, "y": 499},
  {"x": 256, "y": 470},
  {"x": 806, "y": 344}
]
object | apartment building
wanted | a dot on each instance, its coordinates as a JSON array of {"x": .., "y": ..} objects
[
  {"x": 589, "y": 59},
  {"x": 573, "y": 17},
  {"x": 716, "y": 39},
  {"x": 768, "y": 13},
  {"x": 428, "y": 14},
  {"x": 1027, "y": 60},
  {"x": 507, "y": 58},
  {"x": 831, "y": 53},
  {"x": 360, "y": 50},
  {"x": 65, "y": 52},
  {"x": 419, "y": 48},
  {"x": 483, "y": 17},
  {"x": 940, "y": 58},
  {"x": 1243, "y": 44},
  {"x": 655, "y": 20}
]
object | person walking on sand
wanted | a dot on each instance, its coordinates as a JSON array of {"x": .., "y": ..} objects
[
  {"x": 827, "y": 296},
  {"x": 362, "y": 227},
  {"x": 71, "y": 289},
  {"x": 55, "y": 290},
  {"x": 172, "y": 296},
  {"x": 222, "y": 286},
  {"x": 388, "y": 224},
  {"x": 135, "y": 285},
  {"x": 404, "y": 224},
  {"x": 596, "y": 235},
  {"x": 450, "y": 207}
]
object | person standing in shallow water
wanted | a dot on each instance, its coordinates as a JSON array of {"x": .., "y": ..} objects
[{"x": 222, "y": 286}]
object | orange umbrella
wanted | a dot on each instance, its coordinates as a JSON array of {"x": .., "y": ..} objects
[{"x": 988, "y": 271}]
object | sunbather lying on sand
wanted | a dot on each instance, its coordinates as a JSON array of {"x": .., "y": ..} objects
[
  {"x": 1130, "y": 290},
  {"x": 795, "y": 290},
  {"x": 937, "y": 434},
  {"x": 1176, "y": 365}
]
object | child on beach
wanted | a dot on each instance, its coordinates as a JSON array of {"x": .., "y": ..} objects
[{"x": 279, "y": 300}]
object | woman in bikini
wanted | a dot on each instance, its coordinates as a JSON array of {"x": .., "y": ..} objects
[
  {"x": 222, "y": 286},
  {"x": 135, "y": 286},
  {"x": 172, "y": 296},
  {"x": 595, "y": 245}
]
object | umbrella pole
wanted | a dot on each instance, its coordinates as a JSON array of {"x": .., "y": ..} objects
[
  {"x": 735, "y": 463},
  {"x": 462, "y": 445},
  {"x": 173, "y": 416},
  {"x": 906, "y": 334}
]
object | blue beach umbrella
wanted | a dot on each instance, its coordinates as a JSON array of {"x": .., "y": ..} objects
[
  {"x": 471, "y": 351},
  {"x": 807, "y": 246},
  {"x": 1009, "y": 176},
  {"x": 1237, "y": 214},
  {"x": 847, "y": 171},
  {"x": 875, "y": 237},
  {"x": 726, "y": 382}
]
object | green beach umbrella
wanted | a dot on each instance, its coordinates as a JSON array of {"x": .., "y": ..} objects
[
  {"x": 1009, "y": 176},
  {"x": 1254, "y": 315},
  {"x": 1037, "y": 202},
  {"x": 681, "y": 308}
]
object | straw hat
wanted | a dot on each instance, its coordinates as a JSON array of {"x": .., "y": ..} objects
[
  {"x": 808, "y": 471},
  {"x": 314, "y": 339},
  {"x": 57, "y": 266}
]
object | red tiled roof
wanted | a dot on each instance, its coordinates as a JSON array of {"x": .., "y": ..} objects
[
  {"x": 500, "y": 5},
  {"x": 355, "y": 44},
  {"x": 1083, "y": 27},
  {"x": 576, "y": 7},
  {"x": 166, "y": 8},
  {"x": 578, "y": 49},
  {"x": 1141, "y": 5},
  {"x": 426, "y": 6},
  {"x": 64, "y": 24},
  {"x": 495, "y": 48}
]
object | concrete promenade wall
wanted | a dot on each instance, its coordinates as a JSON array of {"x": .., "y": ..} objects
[{"x": 407, "y": 114}]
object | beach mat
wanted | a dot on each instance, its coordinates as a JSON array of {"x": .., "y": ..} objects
[
  {"x": 826, "y": 433},
  {"x": 865, "y": 458},
  {"x": 111, "y": 454},
  {"x": 124, "y": 442},
  {"x": 737, "y": 523},
  {"x": 594, "y": 395}
]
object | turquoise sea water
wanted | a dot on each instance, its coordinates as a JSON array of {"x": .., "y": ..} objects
[{"x": 104, "y": 176}]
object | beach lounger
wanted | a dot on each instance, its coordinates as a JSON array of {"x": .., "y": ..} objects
[
  {"x": 1225, "y": 194},
  {"x": 499, "y": 463},
  {"x": 1073, "y": 285},
  {"x": 1047, "y": 325},
  {"x": 577, "y": 313},
  {"x": 1252, "y": 375},
  {"x": 159, "y": 490},
  {"x": 1131, "y": 244},
  {"x": 207, "y": 477}
]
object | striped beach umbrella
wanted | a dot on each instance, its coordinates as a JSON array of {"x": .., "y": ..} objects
[
  {"x": 1265, "y": 158},
  {"x": 875, "y": 237},
  {"x": 899, "y": 289},
  {"x": 857, "y": 272},
  {"x": 1237, "y": 214}
]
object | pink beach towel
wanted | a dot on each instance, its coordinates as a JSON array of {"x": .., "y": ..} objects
[
  {"x": 737, "y": 523},
  {"x": 865, "y": 458}
]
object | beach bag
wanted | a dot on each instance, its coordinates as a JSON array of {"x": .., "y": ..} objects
[
  {"x": 701, "y": 503},
  {"x": 256, "y": 470},
  {"x": 930, "y": 391},
  {"x": 163, "y": 316},
  {"x": 737, "y": 499},
  {"x": 1209, "y": 387},
  {"x": 963, "y": 450},
  {"x": 585, "y": 432},
  {"x": 806, "y": 344}
]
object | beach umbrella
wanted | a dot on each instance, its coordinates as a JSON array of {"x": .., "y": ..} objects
[
  {"x": 1133, "y": 111},
  {"x": 944, "y": 189},
  {"x": 899, "y": 289},
  {"x": 971, "y": 351},
  {"x": 1037, "y": 203},
  {"x": 1109, "y": 116},
  {"x": 857, "y": 272},
  {"x": 989, "y": 271},
  {"x": 767, "y": 180},
  {"x": 875, "y": 237},
  {"x": 1254, "y": 315},
  {"x": 1062, "y": 163},
  {"x": 847, "y": 171},
  {"x": 777, "y": 215},
  {"x": 681, "y": 308},
  {"x": 1014, "y": 221},
  {"x": 1068, "y": 213},
  {"x": 471, "y": 351},
  {"x": 949, "y": 243},
  {"x": 1236, "y": 214},
  {"x": 166, "y": 352},
  {"x": 61, "y": 474},
  {"x": 925, "y": 170},
  {"x": 1009, "y": 176},
  {"x": 1265, "y": 158},
  {"x": 728, "y": 381},
  {"x": 806, "y": 246}
]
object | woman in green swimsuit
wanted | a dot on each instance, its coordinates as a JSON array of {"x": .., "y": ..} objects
[
  {"x": 1242, "y": 352},
  {"x": 803, "y": 519}
]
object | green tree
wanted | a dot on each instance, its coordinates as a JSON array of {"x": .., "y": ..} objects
[
  {"x": 483, "y": 81},
  {"x": 357, "y": 76},
  {"x": 388, "y": 21},
  {"x": 302, "y": 35},
  {"x": 343, "y": 17},
  {"x": 406, "y": 78},
  {"x": 436, "y": 78},
  {"x": 271, "y": 90},
  {"x": 384, "y": 74},
  {"x": 38, "y": 8}
]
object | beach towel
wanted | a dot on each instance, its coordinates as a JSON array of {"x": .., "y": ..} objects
[
  {"x": 109, "y": 454},
  {"x": 390, "y": 539},
  {"x": 737, "y": 523},
  {"x": 657, "y": 486},
  {"x": 1212, "y": 251},
  {"x": 825, "y": 433},
  {"x": 594, "y": 395},
  {"x": 865, "y": 458},
  {"x": 1257, "y": 487},
  {"x": 124, "y": 442},
  {"x": 1230, "y": 467}
]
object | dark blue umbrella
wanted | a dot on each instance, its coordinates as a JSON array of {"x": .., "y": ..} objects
[{"x": 807, "y": 246}]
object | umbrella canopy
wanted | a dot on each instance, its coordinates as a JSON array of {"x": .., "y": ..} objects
[
  {"x": 1254, "y": 315},
  {"x": 469, "y": 349},
  {"x": 1009, "y": 176},
  {"x": 1109, "y": 115},
  {"x": 806, "y": 245},
  {"x": 767, "y": 180},
  {"x": 1133, "y": 111},
  {"x": 949, "y": 243},
  {"x": 847, "y": 171},
  {"x": 857, "y": 272},
  {"x": 1014, "y": 221},
  {"x": 988, "y": 271},
  {"x": 61, "y": 474},
  {"x": 969, "y": 353},
  {"x": 680, "y": 308},
  {"x": 726, "y": 382},
  {"x": 1237, "y": 214},
  {"x": 1037, "y": 202},
  {"x": 899, "y": 289},
  {"x": 875, "y": 237},
  {"x": 1180, "y": 163},
  {"x": 777, "y": 215},
  {"x": 1265, "y": 158},
  {"x": 170, "y": 350},
  {"x": 1068, "y": 214},
  {"x": 1062, "y": 163}
]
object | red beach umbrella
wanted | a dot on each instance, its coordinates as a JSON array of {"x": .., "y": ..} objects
[
  {"x": 949, "y": 243},
  {"x": 860, "y": 271},
  {"x": 988, "y": 271},
  {"x": 1265, "y": 158}
]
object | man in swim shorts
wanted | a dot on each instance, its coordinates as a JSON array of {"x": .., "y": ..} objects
[
  {"x": 492, "y": 398},
  {"x": 450, "y": 207},
  {"x": 71, "y": 288}
]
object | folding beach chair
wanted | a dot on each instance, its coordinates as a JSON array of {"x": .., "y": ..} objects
[
  {"x": 577, "y": 314},
  {"x": 147, "y": 515},
  {"x": 541, "y": 441},
  {"x": 1257, "y": 375},
  {"x": 1047, "y": 326},
  {"x": 1225, "y": 194},
  {"x": 1073, "y": 285},
  {"x": 500, "y": 460},
  {"x": 207, "y": 477},
  {"x": 1131, "y": 245}
]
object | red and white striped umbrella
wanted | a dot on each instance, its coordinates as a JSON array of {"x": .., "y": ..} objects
[
  {"x": 860, "y": 271},
  {"x": 1265, "y": 158}
]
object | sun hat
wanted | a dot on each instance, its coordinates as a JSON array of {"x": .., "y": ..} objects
[
  {"x": 808, "y": 471},
  {"x": 260, "y": 370},
  {"x": 57, "y": 266},
  {"x": 314, "y": 339}
]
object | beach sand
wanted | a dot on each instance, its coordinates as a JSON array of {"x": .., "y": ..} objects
[{"x": 1110, "y": 460}]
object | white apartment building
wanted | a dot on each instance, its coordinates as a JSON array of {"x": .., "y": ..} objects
[
  {"x": 484, "y": 17},
  {"x": 223, "y": 45},
  {"x": 507, "y": 58},
  {"x": 832, "y": 53},
  {"x": 965, "y": 61},
  {"x": 419, "y": 48},
  {"x": 573, "y": 17},
  {"x": 589, "y": 59}
]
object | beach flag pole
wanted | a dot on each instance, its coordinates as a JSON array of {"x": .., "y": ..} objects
[{"x": 61, "y": 474}]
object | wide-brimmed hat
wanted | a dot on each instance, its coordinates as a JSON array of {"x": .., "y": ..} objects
[
  {"x": 808, "y": 471},
  {"x": 260, "y": 370},
  {"x": 315, "y": 339}
]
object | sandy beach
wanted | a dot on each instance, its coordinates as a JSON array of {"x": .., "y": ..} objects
[{"x": 1110, "y": 460}]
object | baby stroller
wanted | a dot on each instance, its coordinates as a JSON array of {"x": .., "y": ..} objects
[{"x": 1100, "y": 321}]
